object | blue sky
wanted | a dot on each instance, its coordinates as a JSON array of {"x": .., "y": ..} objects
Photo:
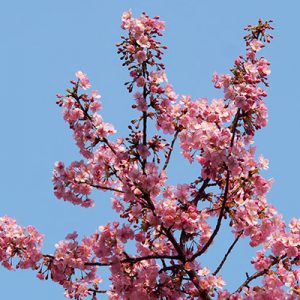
[{"x": 44, "y": 42}]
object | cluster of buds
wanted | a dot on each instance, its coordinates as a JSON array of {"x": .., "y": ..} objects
[{"x": 141, "y": 48}]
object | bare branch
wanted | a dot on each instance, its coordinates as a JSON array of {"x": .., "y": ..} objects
[
  {"x": 171, "y": 149},
  {"x": 227, "y": 253}
]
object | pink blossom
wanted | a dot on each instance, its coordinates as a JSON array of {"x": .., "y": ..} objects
[
  {"x": 126, "y": 18},
  {"x": 96, "y": 95},
  {"x": 256, "y": 45},
  {"x": 72, "y": 236},
  {"x": 154, "y": 249},
  {"x": 264, "y": 163},
  {"x": 141, "y": 81},
  {"x": 140, "y": 56},
  {"x": 143, "y": 151},
  {"x": 83, "y": 80}
]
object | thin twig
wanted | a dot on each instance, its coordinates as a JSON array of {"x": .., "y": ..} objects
[
  {"x": 219, "y": 222},
  {"x": 227, "y": 254},
  {"x": 259, "y": 273},
  {"x": 97, "y": 186},
  {"x": 171, "y": 149},
  {"x": 98, "y": 291},
  {"x": 132, "y": 260},
  {"x": 200, "y": 193}
]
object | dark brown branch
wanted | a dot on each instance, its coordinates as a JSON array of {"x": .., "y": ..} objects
[
  {"x": 98, "y": 291},
  {"x": 234, "y": 126},
  {"x": 200, "y": 193},
  {"x": 219, "y": 222},
  {"x": 103, "y": 187},
  {"x": 145, "y": 115},
  {"x": 133, "y": 260},
  {"x": 176, "y": 245},
  {"x": 106, "y": 188},
  {"x": 227, "y": 254},
  {"x": 171, "y": 149}
]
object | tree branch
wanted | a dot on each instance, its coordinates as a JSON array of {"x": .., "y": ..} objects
[
  {"x": 219, "y": 222},
  {"x": 103, "y": 187},
  {"x": 200, "y": 193},
  {"x": 132, "y": 260},
  {"x": 171, "y": 149},
  {"x": 227, "y": 254},
  {"x": 259, "y": 273}
]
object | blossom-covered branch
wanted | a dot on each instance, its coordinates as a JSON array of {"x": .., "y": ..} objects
[{"x": 168, "y": 227}]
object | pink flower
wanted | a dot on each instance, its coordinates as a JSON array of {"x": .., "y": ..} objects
[
  {"x": 95, "y": 106},
  {"x": 256, "y": 45},
  {"x": 72, "y": 236},
  {"x": 250, "y": 68},
  {"x": 158, "y": 77},
  {"x": 141, "y": 81},
  {"x": 263, "y": 162},
  {"x": 131, "y": 48},
  {"x": 83, "y": 80},
  {"x": 140, "y": 56},
  {"x": 143, "y": 151},
  {"x": 126, "y": 18},
  {"x": 96, "y": 95},
  {"x": 143, "y": 41}
]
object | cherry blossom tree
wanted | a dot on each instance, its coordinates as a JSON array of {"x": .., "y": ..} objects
[{"x": 168, "y": 227}]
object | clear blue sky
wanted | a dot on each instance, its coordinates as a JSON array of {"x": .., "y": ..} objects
[{"x": 44, "y": 42}]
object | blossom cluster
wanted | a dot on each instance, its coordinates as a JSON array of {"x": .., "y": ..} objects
[
  {"x": 168, "y": 227},
  {"x": 21, "y": 243}
]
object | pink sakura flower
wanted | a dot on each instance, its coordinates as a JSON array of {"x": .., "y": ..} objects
[
  {"x": 256, "y": 45},
  {"x": 261, "y": 262},
  {"x": 170, "y": 92},
  {"x": 83, "y": 80},
  {"x": 40, "y": 276},
  {"x": 143, "y": 41},
  {"x": 182, "y": 192},
  {"x": 141, "y": 104},
  {"x": 140, "y": 56},
  {"x": 72, "y": 236},
  {"x": 140, "y": 101},
  {"x": 141, "y": 81},
  {"x": 278, "y": 248},
  {"x": 215, "y": 80},
  {"x": 96, "y": 95},
  {"x": 158, "y": 77},
  {"x": 262, "y": 186},
  {"x": 95, "y": 106},
  {"x": 130, "y": 48},
  {"x": 295, "y": 225},
  {"x": 125, "y": 233},
  {"x": 250, "y": 68},
  {"x": 263, "y": 67},
  {"x": 203, "y": 272},
  {"x": 263, "y": 163},
  {"x": 126, "y": 19},
  {"x": 116, "y": 205},
  {"x": 143, "y": 151},
  {"x": 237, "y": 62}
]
